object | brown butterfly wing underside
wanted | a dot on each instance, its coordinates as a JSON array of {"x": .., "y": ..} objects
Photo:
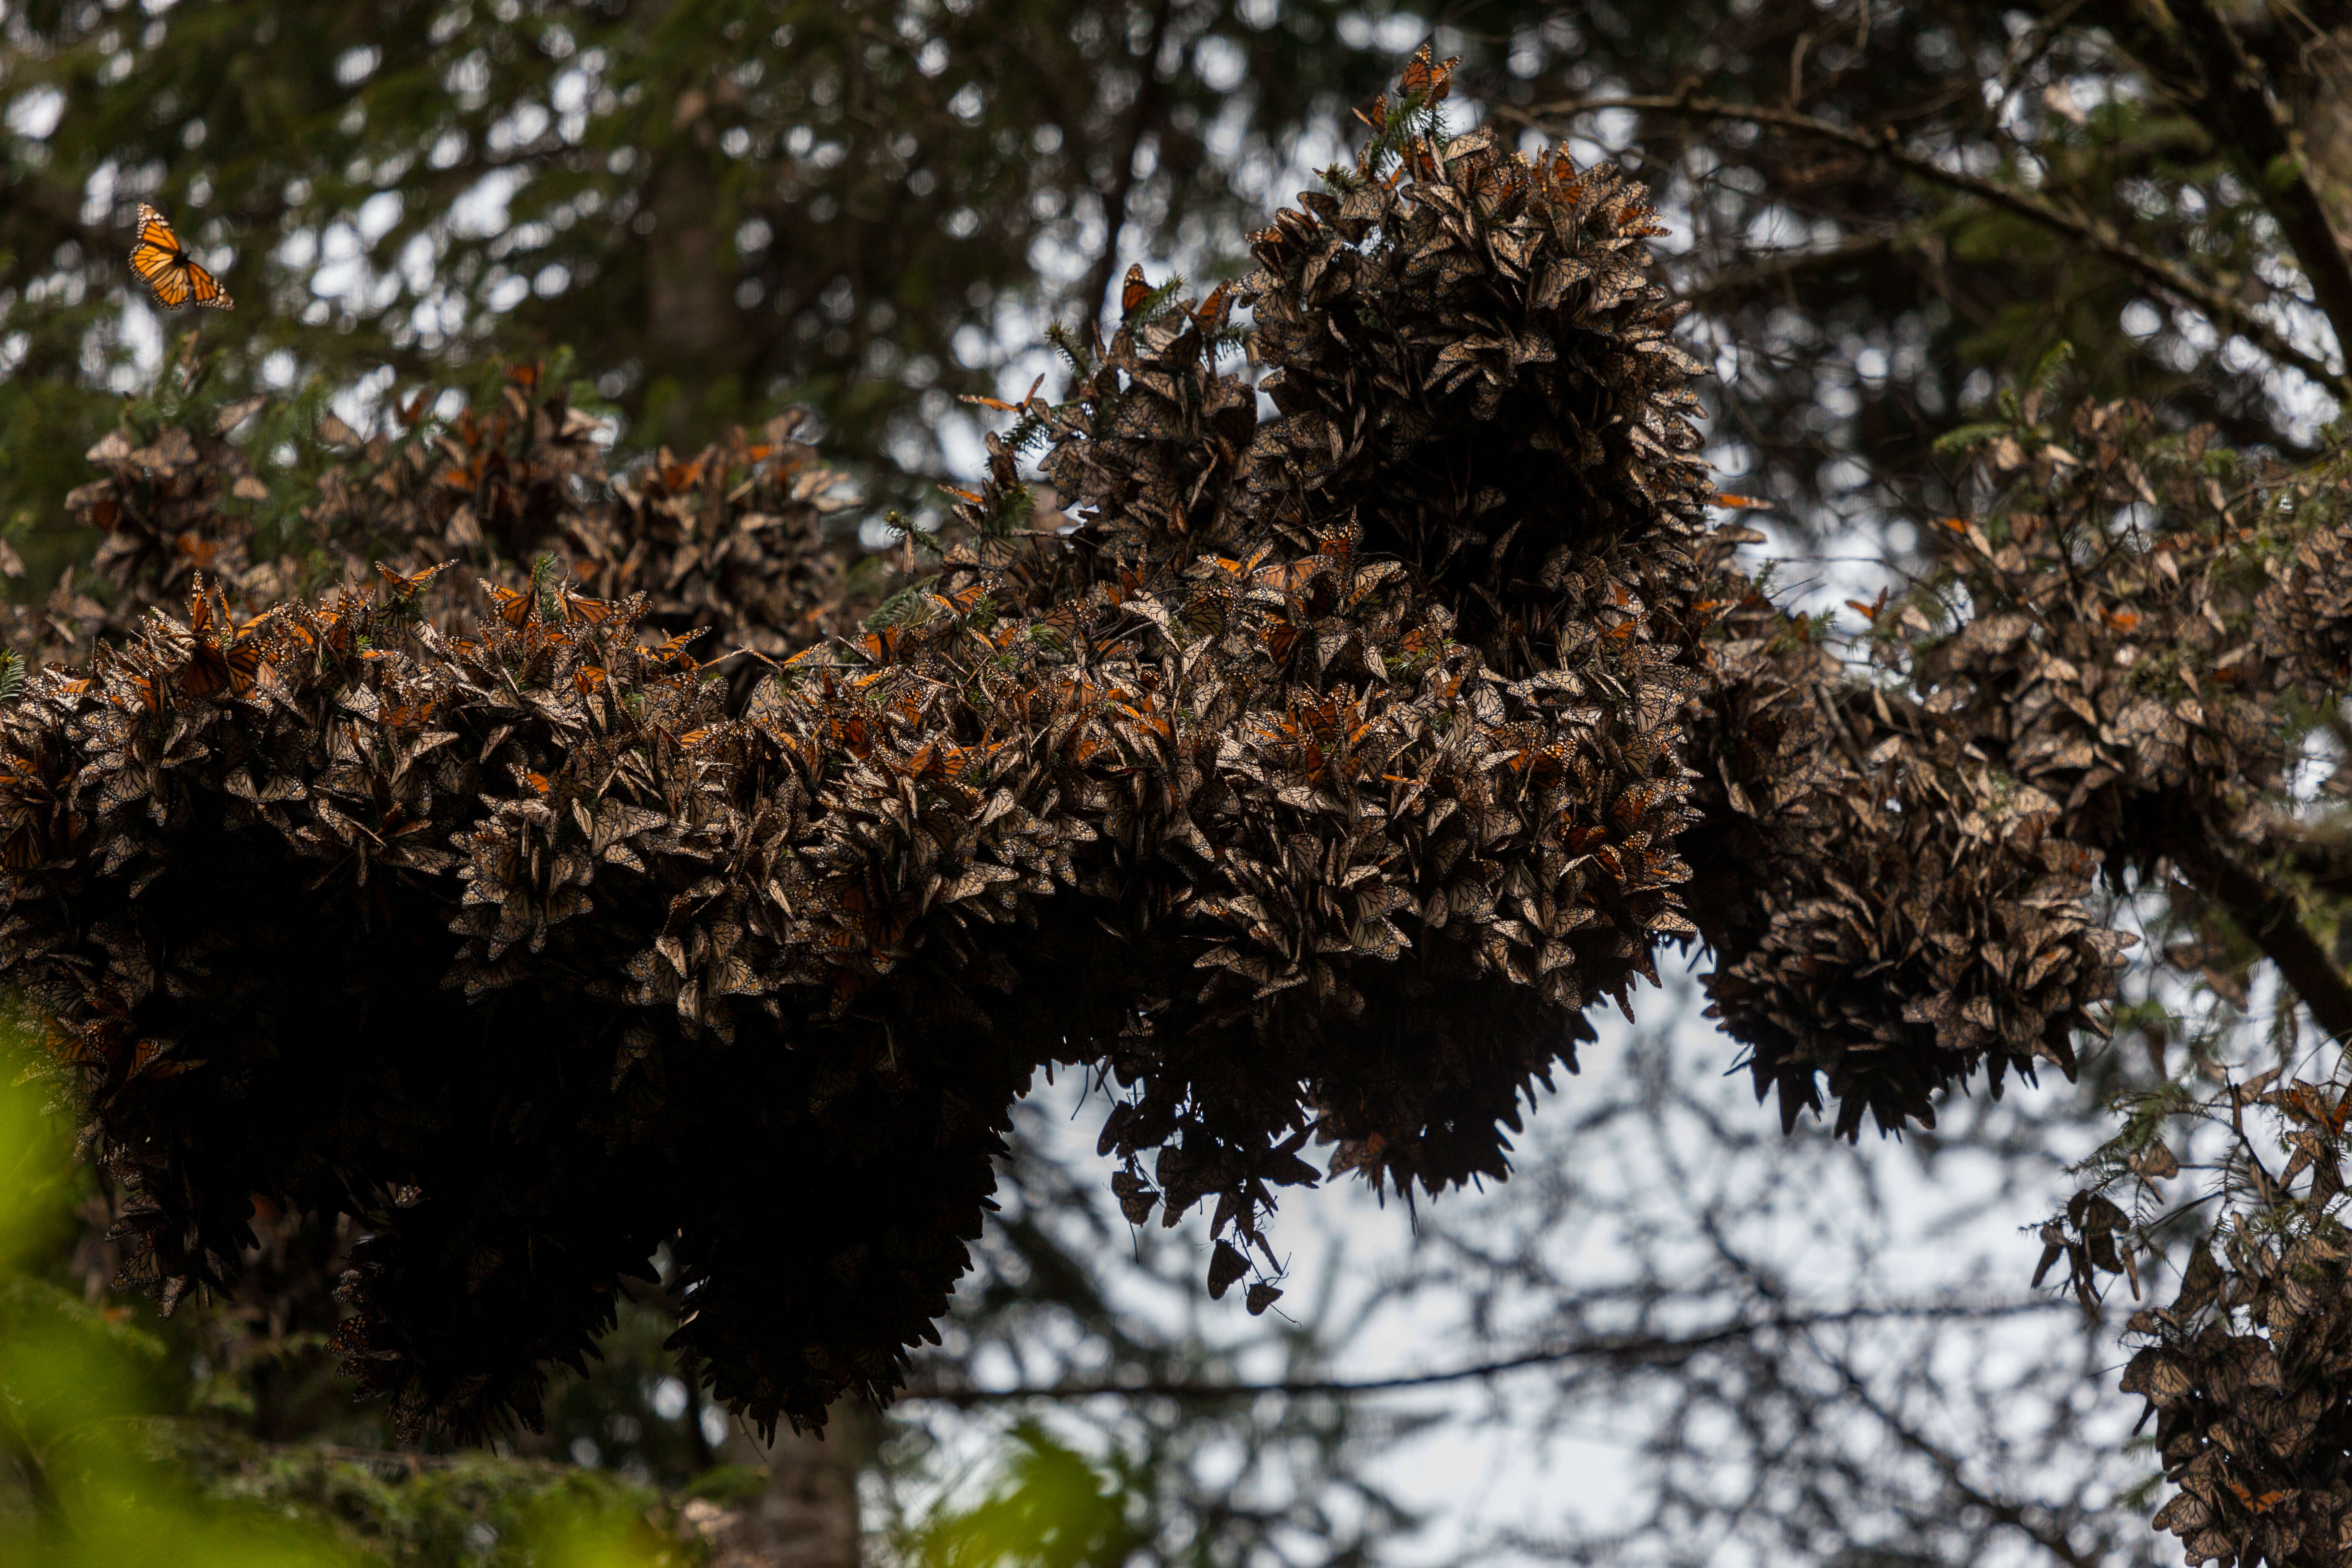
[{"x": 171, "y": 274}]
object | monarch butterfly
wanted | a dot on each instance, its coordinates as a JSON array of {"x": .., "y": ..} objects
[
  {"x": 1134, "y": 291},
  {"x": 512, "y": 606},
  {"x": 170, "y": 273},
  {"x": 405, "y": 584},
  {"x": 1424, "y": 75},
  {"x": 580, "y": 610},
  {"x": 22, "y": 851},
  {"x": 1056, "y": 628},
  {"x": 674, "y": 650},
  {"x": 1211, "y": 312},
  {"x": 236, "y": 669}
]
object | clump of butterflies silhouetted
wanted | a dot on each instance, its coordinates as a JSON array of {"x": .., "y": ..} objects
[{"x": 161, "y": 260}]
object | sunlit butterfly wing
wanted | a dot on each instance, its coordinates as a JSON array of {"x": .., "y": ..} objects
[
  {"x": 407, "y": 584},
  {"x": 1134, "y": 292},
  {"x": 512, "y": 606},
  {"x": 1425, "y": 75},
  {"x": 580, "y": 610},
  {"x": 161, "y": 262}
]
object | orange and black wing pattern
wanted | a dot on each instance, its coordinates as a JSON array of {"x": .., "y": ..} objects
[{"x": 171, "y": 274}]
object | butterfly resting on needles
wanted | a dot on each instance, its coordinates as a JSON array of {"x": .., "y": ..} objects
[{"x": 171, "y": 274}]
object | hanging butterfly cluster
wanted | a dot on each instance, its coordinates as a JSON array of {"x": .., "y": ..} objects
[
  {"x": 1312, "y": 784},
  {"x": 2153, "y": 619}
]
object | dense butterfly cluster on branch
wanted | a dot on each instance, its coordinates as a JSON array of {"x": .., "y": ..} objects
[
  {"x": 1308, "y": 781},
  {"x": 732, "y": 540}
]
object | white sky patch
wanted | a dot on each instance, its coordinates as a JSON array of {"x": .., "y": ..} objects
[
  {"x": 36, "y": 113},
  {"x": 378, "y": 215},
  {"x": 142, "y": 332},
  {"x": 482, "y": 210},
  {"x": 354, "y": 66}
]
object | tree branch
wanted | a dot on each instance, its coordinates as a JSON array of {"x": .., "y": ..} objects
[
  {"x": 2259, "y": 141},
  {"x": 2051, "y": 1537},
  {"x": 1147, "y": 105},
  {"x": 2094, "y": 233},
  {"x": 2267, "y": 914},
  {"x": 1653, "y": 1349}
]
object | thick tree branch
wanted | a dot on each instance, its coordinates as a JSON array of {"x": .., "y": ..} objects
[
  {"x": 2262, "y": 145},
  {"x": 2267, "y": 914},
  {"x": 1651, "y": 1350},
  {"x": 2095, "y": 233},
  {"x": 2321, "y": 859}
]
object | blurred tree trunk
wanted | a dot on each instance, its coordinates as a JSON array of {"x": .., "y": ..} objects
[
  {"x": 2324, "y": 117},
  {"x": 693, "y": 358},
  {"x": 808, "y": 1516}
]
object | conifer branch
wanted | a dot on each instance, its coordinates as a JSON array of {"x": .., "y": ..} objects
[{"x": 2093, "y": 233}]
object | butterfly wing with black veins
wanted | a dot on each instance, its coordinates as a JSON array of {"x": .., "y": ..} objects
[{"x": 161, "y": 260}]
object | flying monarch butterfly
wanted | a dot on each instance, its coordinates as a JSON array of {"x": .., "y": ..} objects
[
  {"x": 405, "y": 584},
  {"x": 171, "y": 274}
]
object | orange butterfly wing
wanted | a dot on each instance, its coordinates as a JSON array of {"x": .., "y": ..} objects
[
  {"x": 1134, "y": 291},
  {"x": 512, "y": 606},
  {"x": 163, "y": 263},
  {"x": 407, "y": 584},
  {"x": 578, "y": 610}
]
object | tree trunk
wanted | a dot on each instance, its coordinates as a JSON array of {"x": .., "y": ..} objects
[
  {"x": 690, "y": 328},
  {"x": 2324, "y": 117},
  {"x": 807, "y": 1516}
]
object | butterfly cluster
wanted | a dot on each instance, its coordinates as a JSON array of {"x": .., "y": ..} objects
[
  {"x": 2245, "y": 1368},
  {"x": 731, "y": 543},
  {"x": 1308, "y": 784}
]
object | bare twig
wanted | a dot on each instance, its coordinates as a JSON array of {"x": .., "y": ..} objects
[
  {"x": 1652, "y": 1350},
  {"x": 2050, "y": 1537},
  {"x": 2091, "y": 232}
]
